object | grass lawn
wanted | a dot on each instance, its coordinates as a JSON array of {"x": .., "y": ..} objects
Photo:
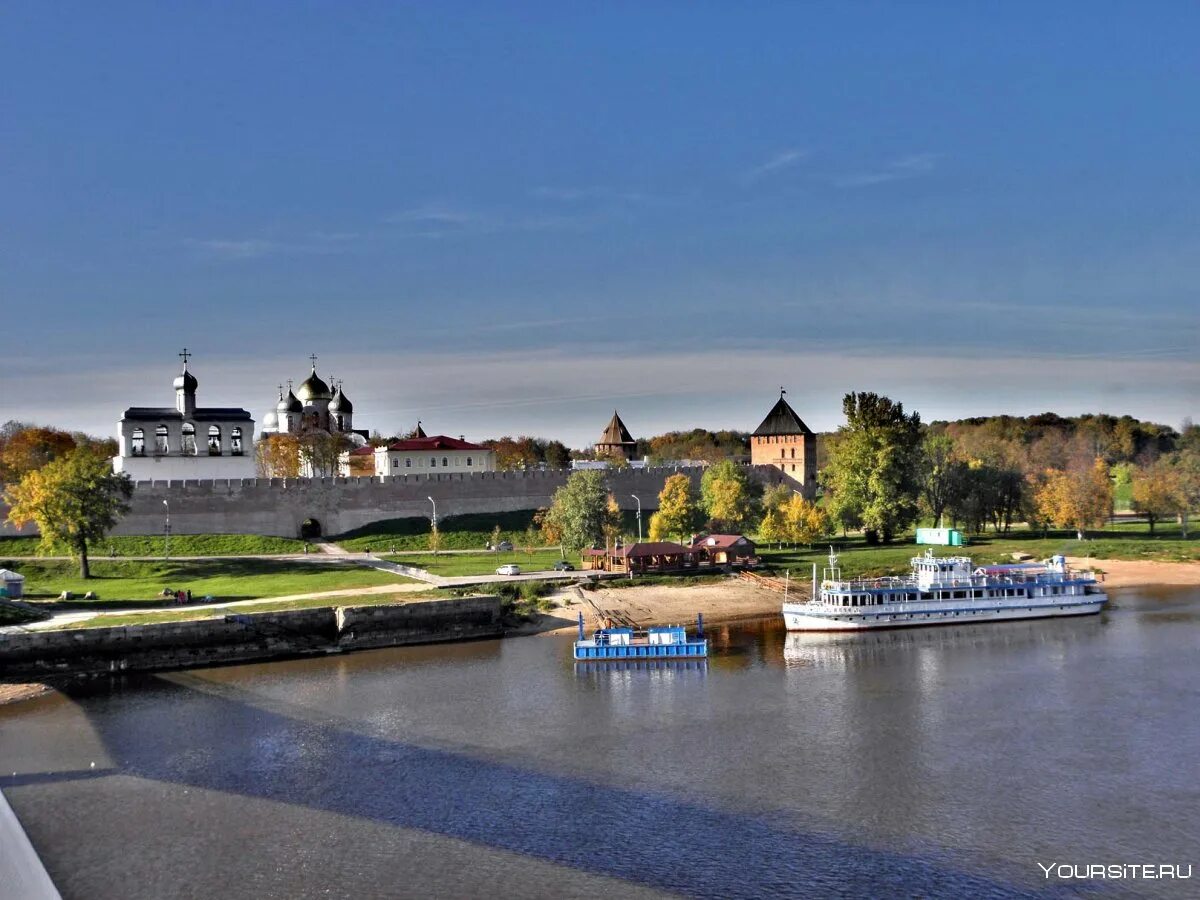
[
  {"x": 181, "y": 545},
  {"x": 1124, "y": 541},
  {"x": 468, "y": 532},
  {"x": 227, "y": 580},
  {"x": 450, "y": 565}
]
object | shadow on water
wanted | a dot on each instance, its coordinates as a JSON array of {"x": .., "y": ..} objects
[{"x": 652, "y": 839}]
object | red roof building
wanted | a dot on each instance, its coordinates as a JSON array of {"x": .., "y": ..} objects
[{"x": 427, "y": 454}]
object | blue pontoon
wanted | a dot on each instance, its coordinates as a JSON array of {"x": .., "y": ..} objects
[{"x": 664, "y": 642}]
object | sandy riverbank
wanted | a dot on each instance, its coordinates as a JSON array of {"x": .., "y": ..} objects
[
  {"x": 726, "y": 600},
  {"x": 1140, "y": 573},
  {"x": 14, "y": 693}
]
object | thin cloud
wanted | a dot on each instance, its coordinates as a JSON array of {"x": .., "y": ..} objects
[
  {"x": 219, "y": 248},
  {"x": 901, "y": 169},
  {"x": 782, "y": 160}
]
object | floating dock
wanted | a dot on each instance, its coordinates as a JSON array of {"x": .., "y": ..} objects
[{"x": 665, "y": 642}]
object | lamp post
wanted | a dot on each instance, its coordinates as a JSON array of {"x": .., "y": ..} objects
[
  {"x": 167, "y": 532},
  {"x": 433, "y": 521},
  {"x": 639, "y": 515}
]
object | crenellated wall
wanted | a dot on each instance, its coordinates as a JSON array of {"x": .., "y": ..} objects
[{"x": 280, "y": 506}]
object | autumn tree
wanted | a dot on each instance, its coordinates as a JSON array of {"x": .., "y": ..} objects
[
  {"x": 1158, "y": 491},
  {"x": 611, "y": 526},
  {"x": 74, "y": 499},
  {"x": 873, "y": 473},
  {"x": 278, "y": 456},
  {"x": 29, "y": 447},
  {"x": 676, "y": 513},
  {"x": 726, "y": 495},
  {"x": 578, "y": 511},
  {"x": 773, "y": 529},
  {"x": 320, "y": 452},
  {"x": 1077, "y": 498},
  {"x": 803, "y": 520},
  {"x": 1187, "y": 471}
]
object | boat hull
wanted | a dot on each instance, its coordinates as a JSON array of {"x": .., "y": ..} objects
[
  {"x": 797, "y": 618},
  {"x": 588, "y": 651}
]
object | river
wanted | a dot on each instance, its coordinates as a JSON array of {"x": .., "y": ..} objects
[{"x": 946, "y": 761}]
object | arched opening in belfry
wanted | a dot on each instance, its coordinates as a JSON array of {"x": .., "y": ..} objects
[{"x": 309, "y": 529}]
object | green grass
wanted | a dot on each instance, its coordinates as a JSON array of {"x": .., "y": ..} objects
[
  {"x": 198, "y": 613},
  {"x": 466, "y": 532},
  {"x": 227, "y": 580},
  {"x": 1123, "y": 541},
  {"x": 181, "y": 545},
  {"x": 12, "y": 614},
  {"x": 450, "y": 565}
]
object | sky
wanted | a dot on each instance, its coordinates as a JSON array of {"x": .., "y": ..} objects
[{"x": 514, "y": 218}]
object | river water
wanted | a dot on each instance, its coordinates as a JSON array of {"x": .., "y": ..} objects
[{"x": 926, "y": 762}]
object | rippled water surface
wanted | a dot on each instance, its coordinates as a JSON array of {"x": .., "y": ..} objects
[{"x": 926, "y": 762}]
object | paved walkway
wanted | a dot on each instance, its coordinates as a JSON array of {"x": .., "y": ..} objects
[{"x": 21, "y": 871}]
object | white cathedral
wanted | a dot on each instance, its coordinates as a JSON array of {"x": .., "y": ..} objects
[{"x": 314, "y": 407}]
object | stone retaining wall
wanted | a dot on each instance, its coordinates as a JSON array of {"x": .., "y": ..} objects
[{"x": 244, "y": 637}]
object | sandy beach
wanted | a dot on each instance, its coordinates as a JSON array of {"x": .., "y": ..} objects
[
  {"x": 14, "y": 693},
  {"x": 1140, "y": 573}
]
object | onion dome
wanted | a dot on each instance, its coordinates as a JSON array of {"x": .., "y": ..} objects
[
  {"x": 186, "y": 381},
  {"x": 289, "y": 404},
  {"x": 270, "y": 420},
  {"x": 313, "y": 388},
  {"x": 340, "y": 402}
]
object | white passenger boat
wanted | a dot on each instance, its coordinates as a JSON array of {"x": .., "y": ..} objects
[{"x": 944, "y": 591}]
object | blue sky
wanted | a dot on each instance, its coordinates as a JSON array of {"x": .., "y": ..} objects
[{"x": 504, "y": 221}]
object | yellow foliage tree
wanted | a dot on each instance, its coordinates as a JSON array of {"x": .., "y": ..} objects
[
  {"x": 1078, "y": 499},
  {"x": 773, "y": 528},
  {"x": 1158, "y": 492},
  {"x": 676, "y": 509},
  {"x": 75, "y": 499},
  {"x": 278, "y": 456},
  {"x": 803, "y": 520}
]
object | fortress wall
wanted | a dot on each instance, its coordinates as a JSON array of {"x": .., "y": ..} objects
[{"x": 280, "y": 506}]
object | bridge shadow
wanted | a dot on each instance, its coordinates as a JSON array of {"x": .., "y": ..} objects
[{"x": 653, "y": 839}]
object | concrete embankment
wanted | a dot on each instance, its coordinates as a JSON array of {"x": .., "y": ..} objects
[{"x": 244, "y": 638}]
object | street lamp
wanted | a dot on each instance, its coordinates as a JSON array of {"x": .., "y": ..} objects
[
  {"x": 639, "y": 515},
  {"x": 167, "y": 532},
  {"x": 434, "y": 524}
]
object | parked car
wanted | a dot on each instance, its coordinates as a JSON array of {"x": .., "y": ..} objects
[
  {"x": 510, "y": 569},
  {"x": 563, "y": 566},
  {"x": 504, "y": 545}
]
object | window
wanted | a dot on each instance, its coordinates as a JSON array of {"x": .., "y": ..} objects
[
  {"x": 189, "y": 439},
  {"x": 395, "y": 463},
  {"x": 468, "y": 462},
  {"x": 408, "y": 462},
  {"x": 445, "y": 462},
  {"x": 214, "y": 440},
  {"x": 160, "y": 439},
  {"x": 235, "y": 442},
  {"x": 433, "y": 462},
  {"x": 138, "y": 442},
  {"x": 793, "y": 456}
]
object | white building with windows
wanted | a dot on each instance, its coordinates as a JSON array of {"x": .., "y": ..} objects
[
  {"x": 185, "y": 441},
  {"x": 422, "y": 455}
]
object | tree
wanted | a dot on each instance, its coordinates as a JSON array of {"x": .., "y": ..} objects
[
  {"x": 530, "y": 538},
  {"x": 676, "y": 509},
  {"x": 435, "y": 540},
  {"x": 551, "y": 533},
  {"x": 938, "y": 474},
  {"x": 1077, "y": 498},
  {"x": 278, "y": 456},
  {"x": 1187, "y": 468},
  {"x": 75, "y": 499},
  {"x": 494, "y": 544},
  {"x": 726, "y": 496},
  {"x": 29, "y": 448},
  {"x": 320, "y": 452},
  {"x": 578, "y": 511},
  {"x": 772, "y": 529},
  {"x": 557, "y": 455},
  {"x": 1158, "y": 491},
  {"x": 611, "y": 526},
  {"x": 803, "y": 520},
  {"x": 873, "y": 473}
]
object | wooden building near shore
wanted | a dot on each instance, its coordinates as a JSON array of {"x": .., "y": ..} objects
[{"x": 637, "y": 559}]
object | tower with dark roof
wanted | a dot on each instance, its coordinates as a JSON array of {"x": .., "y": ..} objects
[
  {"x": 785, "y": 442},
  {"x": 616, "y": 440}
]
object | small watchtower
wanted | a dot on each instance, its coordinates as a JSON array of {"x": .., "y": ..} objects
[{"x": 616, "y": 440}]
